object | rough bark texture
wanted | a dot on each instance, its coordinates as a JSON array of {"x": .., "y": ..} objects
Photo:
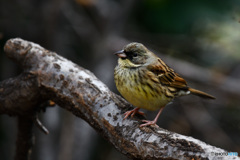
[{"x": 49, "y": 76}]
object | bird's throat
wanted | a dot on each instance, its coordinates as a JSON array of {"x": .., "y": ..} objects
[{"x": 126, "y": 63}]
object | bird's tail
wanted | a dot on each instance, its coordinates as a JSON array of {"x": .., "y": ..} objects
[{"x": 200, "y": 93}]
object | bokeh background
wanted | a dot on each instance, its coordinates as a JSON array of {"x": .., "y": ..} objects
[{"x": 198, "y": 38}]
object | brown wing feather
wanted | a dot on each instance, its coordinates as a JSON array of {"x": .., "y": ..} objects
[{"x": 167, "y": 76}]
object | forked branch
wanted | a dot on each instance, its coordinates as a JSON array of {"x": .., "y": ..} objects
[{"x": 48, "y": 76}]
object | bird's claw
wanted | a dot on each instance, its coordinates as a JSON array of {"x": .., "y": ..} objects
[
  {"x": 132, "y": 113},
  {"x": 148, "y": 123}
]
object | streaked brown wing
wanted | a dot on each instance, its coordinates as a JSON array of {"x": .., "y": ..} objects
[{"x": 167, "y": 76}]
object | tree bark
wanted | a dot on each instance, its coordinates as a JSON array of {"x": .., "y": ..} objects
[
  {"x": 48, "y": 76},
  {"x": 25, "y": 138}
]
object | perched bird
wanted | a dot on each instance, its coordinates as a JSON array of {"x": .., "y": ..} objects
[{"x": 145, "y": 81}]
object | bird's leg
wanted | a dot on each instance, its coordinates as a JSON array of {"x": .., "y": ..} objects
[
  {"x": 148, "y": 123},
  {"x": 132, "y": 113}
]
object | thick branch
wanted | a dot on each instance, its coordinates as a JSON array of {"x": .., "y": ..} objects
[
  {"x": 19, "y": 95},
  {"x": 79, "y": 91}
]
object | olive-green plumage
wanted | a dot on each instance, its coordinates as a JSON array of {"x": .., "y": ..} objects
[{"x": 146, "y": 81}]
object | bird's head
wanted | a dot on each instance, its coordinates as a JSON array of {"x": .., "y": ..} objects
[{"x": 133, "y": 55}]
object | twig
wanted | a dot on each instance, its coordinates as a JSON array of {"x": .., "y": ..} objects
[{"x": 39, "y": 124}]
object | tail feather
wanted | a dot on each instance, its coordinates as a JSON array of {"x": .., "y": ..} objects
[{"x": 200, "y": 93}]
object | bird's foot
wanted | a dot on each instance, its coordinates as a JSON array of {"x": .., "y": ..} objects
[
  {"x": 132, "y": 113},
  {"x": 148, "y": 123}
]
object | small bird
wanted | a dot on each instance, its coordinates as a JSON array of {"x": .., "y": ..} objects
[{"x": 145, "y": 81}]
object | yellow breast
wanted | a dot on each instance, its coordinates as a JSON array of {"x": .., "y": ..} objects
[{"x": 140, "y": 90}]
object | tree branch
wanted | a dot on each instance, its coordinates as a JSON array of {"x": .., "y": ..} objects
[
  {"x": 49, "y": 76},
  {"x": 24, "y": 138}
]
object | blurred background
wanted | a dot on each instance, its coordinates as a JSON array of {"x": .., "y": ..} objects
[{"x": 198, "y": 38}]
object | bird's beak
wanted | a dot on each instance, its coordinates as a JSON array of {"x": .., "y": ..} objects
[{"x": 120, "y": 54}]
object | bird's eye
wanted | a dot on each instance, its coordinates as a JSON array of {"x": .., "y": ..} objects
[{"x": 134, "y": 54}]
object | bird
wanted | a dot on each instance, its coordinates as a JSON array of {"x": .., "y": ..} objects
[{"x": 146, "y": 82}]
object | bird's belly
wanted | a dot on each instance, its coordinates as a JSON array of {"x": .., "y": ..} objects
[
  {"x": 141, "y": 95},
  {"x": 141, "y": 100}
]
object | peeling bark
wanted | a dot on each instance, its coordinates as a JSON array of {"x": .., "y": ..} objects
[{"x": 48, "y": 76}]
